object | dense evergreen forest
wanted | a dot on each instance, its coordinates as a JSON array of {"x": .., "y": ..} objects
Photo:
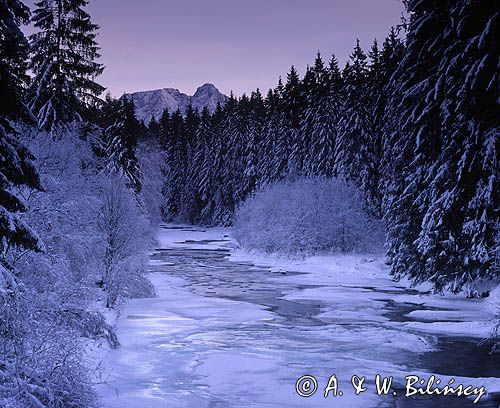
[{"x": 413, "y": 122}]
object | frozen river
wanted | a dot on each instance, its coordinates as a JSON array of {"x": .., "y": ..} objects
[{"x": 227, "y": 331}]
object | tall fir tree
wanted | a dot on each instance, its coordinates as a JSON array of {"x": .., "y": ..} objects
[
  {"x": 213, "y": 170},
  {"x": 372, "y": 146},
  {"x": 199, "y": 171},
  {"x": 191, "y": 201},
  {"x": 154, "y": 128},
  {"x": 324, "y": 109},
  {"x": 442, "y": 202},
  {"x": 164, "y": 124},
  {"x": 64, "y": 53},
  {"x": 119, "y": 140},
  {"x": 256, "y": 115},
  {"x": 293, "y": 105},
  {"x": 353, "y": 125},
  {"x": 234, "y": 128},
  {"x": 13, "y": 61},
  {"x": 176, "y": 154},
  {"x": 16, "y": 168},
  {"x": 276, "y": 142}
]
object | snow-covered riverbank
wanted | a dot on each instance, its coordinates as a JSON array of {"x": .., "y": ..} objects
[{"x": 234, "y": 329}]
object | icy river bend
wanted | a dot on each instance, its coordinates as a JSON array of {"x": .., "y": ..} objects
[{"x": 227, "y": 331}]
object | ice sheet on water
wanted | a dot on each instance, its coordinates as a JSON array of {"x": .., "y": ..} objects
[{"x": 186, "y": 349}]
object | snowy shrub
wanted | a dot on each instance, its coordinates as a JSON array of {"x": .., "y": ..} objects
[
  {"x": 126, "y": 234},
  {"x": 64, "y": 215},
  {"x": 50, "y": 309},
  {"x": 69, "y": 216},
  {"x": 46, "y": 318},
  {"x": 41, "y": 362},
  {"x": 307, "y": 216}
]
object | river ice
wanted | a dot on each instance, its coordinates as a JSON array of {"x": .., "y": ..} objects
[{"x": 232, "y": 329}]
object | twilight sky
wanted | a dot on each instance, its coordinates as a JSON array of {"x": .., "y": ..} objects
[{"x": 237, "y": 45}]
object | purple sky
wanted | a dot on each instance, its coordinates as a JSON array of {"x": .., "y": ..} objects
[{"x": 237, "y": 45}]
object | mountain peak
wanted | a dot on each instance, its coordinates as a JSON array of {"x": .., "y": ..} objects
[
  {"x": 153, "y": 103},
  {"x": 207, "y": 87}
]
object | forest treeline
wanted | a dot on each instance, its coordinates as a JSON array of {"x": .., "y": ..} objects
[{"x": 413, "y": 122}]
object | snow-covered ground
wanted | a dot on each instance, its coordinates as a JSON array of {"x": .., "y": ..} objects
[{"x": 233, "y": 329}]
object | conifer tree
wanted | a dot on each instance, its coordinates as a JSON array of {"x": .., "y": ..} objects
[
  {"x": 256, "y": 115},
  {"x": 211, "y": 183},
  {"x": 13, "y": 58},
  {"x": 234, "y": 128},
  {"x": 276, "y": 141},
  {"x": 176, "y": 153},
  {"x": 310, "y": 88},
  {"x": 293, "y": 105},
  {"x": 16, "y": 168},
  {"x": 164, "y": 124},
  {"x": 360, "y": 139},
  {"x": 119, "y": 141},
  {"x": 154, "y": 128},
  {"x": 191, "y": 202},
  {"x": 441, "y": 206},
  {"x": 64, "y": 53},
  {"x": 266, "y": 146},
  {"x": 354, "y": 125},
  {"x": 324, "y": 109}
]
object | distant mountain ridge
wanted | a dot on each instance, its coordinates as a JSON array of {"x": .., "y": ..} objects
[{"x": 153, "y": 103}]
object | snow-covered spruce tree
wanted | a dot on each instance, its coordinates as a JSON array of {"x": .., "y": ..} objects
[
  {"x": 211, "y": 171},
  {"x": 353, "y": 122},
  {"x": 63, "y": 60},
  {"x": 256, "y": 114},
  {"x": 324, "y": 109},
  {"x": 16, "y": 168},
  {"x": 355, "y": 149},
  {"x": 191, "y": 203},
  {"x": 197, "y": 187},
  {"x": 293, "y": 107},
  {"x": 275, "y": 145},
  {"x": 153, "y": 130},
  {"x": 233, "y": 130},
  {"x": 176, "y": 161},
  {"x": 119, "y": 140},
  {"x": 164, "y": 123},
  {"x": 13, "y": 58},
  {"x": 442, "y": 204},
  {"x": 381, "y": 66}
]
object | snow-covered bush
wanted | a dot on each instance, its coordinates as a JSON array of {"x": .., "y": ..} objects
[
  {"x": 126, "y": 234},
  {"x": 69, "y": 215},
  {"x": 64, "y": 215},
  {"x": 49, "y": 314},
  {"x": 50, "y": 309},
  {"x": 307, "y": 216},
  {"x": 41, "y": 361}
]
